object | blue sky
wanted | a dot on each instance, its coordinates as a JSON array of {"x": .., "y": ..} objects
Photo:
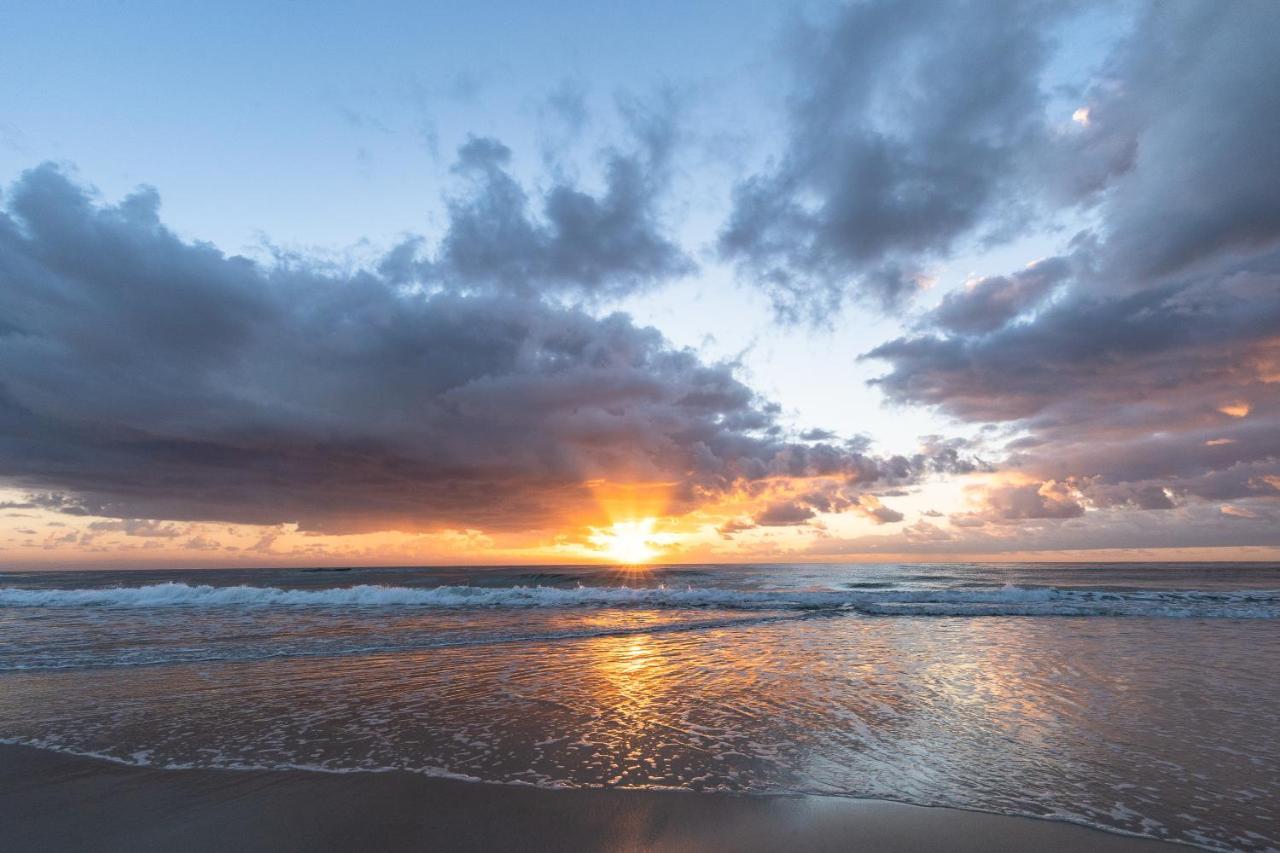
[{"x": 279, "y": 117}]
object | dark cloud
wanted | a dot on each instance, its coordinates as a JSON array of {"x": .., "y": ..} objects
[
  {"x": 1193, "y": 94},
  {"x": 909, "y": 125},
  {"x": 784, "y": 514},
  {"x": 145, "y": 377},
  {"x": 990, "y": 303},
  {"x": 1153, "y": 375},
  {"x": 916, "y": 128},
  {"x": 829, "y": 497},
  {"x": 567, "y": 240},
  {"x": 1176, "y": 387},
  {"x": 1147, "y": 496}
]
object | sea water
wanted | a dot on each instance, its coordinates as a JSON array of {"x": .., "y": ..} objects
[{"x": 1139, "y": 698}]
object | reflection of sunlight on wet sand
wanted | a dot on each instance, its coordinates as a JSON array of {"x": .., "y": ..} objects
[
  {"x": 629, "y": 699},
  {"x": 632, "y": 678},
  {"x": 990, "y": 672},
  {"x": 692, "y": 707},
  {"x": 667, "y": 708}
]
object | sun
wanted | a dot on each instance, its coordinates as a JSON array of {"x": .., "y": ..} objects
[{"x": 628, "y": 542}]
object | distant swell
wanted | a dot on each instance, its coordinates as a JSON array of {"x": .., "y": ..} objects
[{"x": 993, "y": 601}]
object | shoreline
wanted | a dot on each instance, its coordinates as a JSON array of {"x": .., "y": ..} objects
[{"x": 52, "y": 801}]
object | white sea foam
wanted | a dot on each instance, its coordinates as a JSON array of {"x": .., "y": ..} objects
[{"x": 991, "y": 601}]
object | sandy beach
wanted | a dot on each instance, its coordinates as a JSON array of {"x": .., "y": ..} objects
[{"x": 55, "y": 802}]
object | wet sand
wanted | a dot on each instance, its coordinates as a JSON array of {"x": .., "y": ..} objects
[{"x": 54, "y": 802}]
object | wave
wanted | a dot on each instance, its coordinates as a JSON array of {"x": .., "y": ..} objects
[{"x": 991, "y": 601}]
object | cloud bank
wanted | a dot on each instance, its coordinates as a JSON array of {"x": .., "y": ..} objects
[{"x": 145, "y": 377}]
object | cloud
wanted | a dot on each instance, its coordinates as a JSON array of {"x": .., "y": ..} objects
[
  {"x": 1191, "y": 93},
  {"x": 146, "y": 377},
  {"x": 990, "y": 303},
  {"x": 1192, "y": 527},
  {"x": 784, "y": 514},
  {"x": 1245, "y": 513},
  {"x": 567, "y": 241},
  {"x": 1136, "y": 391},
  {"x": 870, "y": 507},
  {"x": 909, "y": 124},
  {"x": 735, "y": 525},
  {"x": 826, "y": 497},
  {"x": 923, "y": 531},
  {"x": 137, "y": 527},
  {"x": 1024, "y": 501},
  {"x": 916, "y": 128},
  {"x": 1152, "y": 376}
]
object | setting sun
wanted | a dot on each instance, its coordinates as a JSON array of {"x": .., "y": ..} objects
[{"x": 628, "y": 541}]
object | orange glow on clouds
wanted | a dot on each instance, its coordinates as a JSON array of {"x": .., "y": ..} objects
[{"x": 1236, "y": 408}]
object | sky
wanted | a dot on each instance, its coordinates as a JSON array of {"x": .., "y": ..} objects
[{"x": 392, "y": 283}]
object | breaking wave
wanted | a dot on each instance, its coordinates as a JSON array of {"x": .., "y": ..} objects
[{"x": 992, "y": 601}]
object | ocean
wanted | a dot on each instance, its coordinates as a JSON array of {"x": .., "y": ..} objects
[{"x": 1137, "y": 698}]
